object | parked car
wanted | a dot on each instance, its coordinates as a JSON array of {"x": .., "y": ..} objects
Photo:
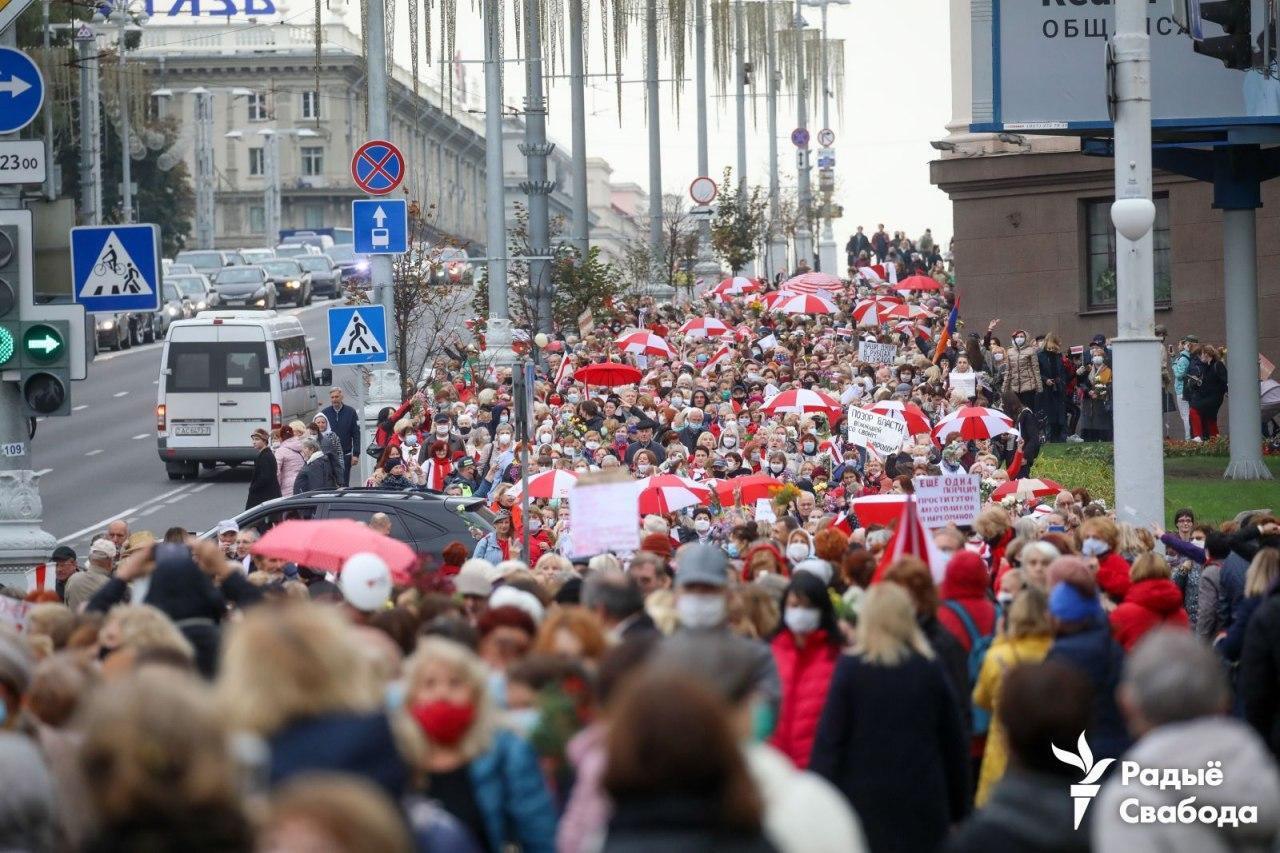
[
  {"x": 207, "y": 261},
  {"x": 173, "y": 306},
  {"x": 325, "y": 277},
  {"x": 257, "y": 256},
  {"x": 197, "y": 289},
  {"x": 245, "y": 287},
  {"x": 295, "y": 250},
  {"x": 291, "y": 280},
  {"x": 426, "y": 521}
]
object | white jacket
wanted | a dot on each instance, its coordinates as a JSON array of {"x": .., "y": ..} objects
[{"x": 803, "y": 813}]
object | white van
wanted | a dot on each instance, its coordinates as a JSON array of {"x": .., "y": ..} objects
[{"x": 225, "y": 374}]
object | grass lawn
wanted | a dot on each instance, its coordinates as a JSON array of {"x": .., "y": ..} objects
[{"x": 1192, "y": 481}]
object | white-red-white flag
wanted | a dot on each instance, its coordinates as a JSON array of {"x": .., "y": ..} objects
[
  {"x": 562, "y": 374},
  {"x": 721, "y": 355}
]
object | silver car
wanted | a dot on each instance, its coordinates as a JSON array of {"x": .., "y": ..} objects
[
  {"x": 174, "y": 306},
  {"x": 197, "y": 290}
]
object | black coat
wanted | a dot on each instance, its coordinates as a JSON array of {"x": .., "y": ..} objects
[
  {"x": 1052, "y": 400},
  {"x": 265, "y": 485},
  {"x": 1027, "y": 813},
  {"x": 673, "y": 823},
  {"x": 1259, "y": 677},
  {"x": 1205, "y": 385},
  {"x": 891, "y": 740},
  {"x": 316, "y": 474},
  {"x": 1099, "y": 658}
]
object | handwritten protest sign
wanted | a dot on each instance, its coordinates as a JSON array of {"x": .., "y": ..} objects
[
  {"x": 13, "y": 613},
  {"x": 875, "y": 432},
  {"x": 965, "y": 383},
  {"x": 947, "y": 499},
  {"x": 604, "y": 514},
  {"x": 873, "y": 353}
]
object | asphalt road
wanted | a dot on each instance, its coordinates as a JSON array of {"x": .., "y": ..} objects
[{"x": 101, "y": 463}]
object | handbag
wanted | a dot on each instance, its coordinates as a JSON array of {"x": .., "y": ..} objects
[{"x": 374, "y": 450}]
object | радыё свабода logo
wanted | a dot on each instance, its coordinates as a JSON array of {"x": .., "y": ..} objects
[{"x": 1088, "y": 787}]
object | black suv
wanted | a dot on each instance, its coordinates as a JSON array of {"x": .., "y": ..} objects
[{"x": 426, "y": 521}]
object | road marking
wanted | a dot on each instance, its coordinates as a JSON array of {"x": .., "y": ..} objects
[
  {"x": 141, "y": 435},
  {"x": 201, "y": 487},
  {"x": 133, "y": 509},
  {"x": 42, "y": 472},
  {"x": 310, "y": 338},
  {"x": 80, "y": 408},
  {"x": 39, "y": 420},
  {"x": 94, "y": 452},
  {"x": 152, "y": 509},
  {"x": 120, "y": 394}
]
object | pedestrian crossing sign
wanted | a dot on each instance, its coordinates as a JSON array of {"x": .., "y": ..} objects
[
  {"x": 358, "y": 335},
  {"x": 116, "y": 267}
]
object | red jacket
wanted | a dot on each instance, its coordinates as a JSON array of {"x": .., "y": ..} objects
[
  {"x": 805, "y": 674},
  {"x": 966, "y": 584},
  {"x": 1150, "y": 604},
  {"x": 1113, "y": 575}
]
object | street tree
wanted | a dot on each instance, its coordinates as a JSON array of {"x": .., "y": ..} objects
[{"x": 738, "y": 226}]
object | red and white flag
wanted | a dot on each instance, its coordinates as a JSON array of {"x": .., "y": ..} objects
[
  {"x": 562, "y": 373},
  {"x": 721, "y": 355},
  {"x": 911, "y": 538},
  {"x": 831, "y": 447}
]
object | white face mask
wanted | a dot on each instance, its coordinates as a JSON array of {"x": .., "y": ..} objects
[
  {"x": 702, "y": 525},
  {"x": 999, "y": 356},
  {"x": 776, "y": 467},
  {"x": 1092, "y": 547},
  {"x": 797, "y": 551},
  {"x": 1097, "y": 360},
  {"x": 1019, "y": 341},
  {"x": 593, "y": 445},
  {"x": 809, "y": 447},
  {"x": 442, "y": 431},
  {"x": 802, "y": 620},
  {"x": 700, "y": 611},
  {"x": 573, "y": 399},
  {"x": 643, "y": 468},
  {"x": 730, "y": 441},
  {"x": 544, "y": 438},
  {"x": 581, "y": 471},
  {"x": 504, "y": 438}
]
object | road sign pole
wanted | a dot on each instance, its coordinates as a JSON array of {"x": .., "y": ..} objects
[
  {"x": 536, "y": 149},
  {"x": 126, "y": 159},
  {"x": 380, "y": 265},
  {"x": 497, "y": 330},
  {"x": 90, "y": 134},
  {"x": 776, "y": 255},
  {"x": 578, "y": 109},
  {"x": 828, "y": 257},
  {"x": 705, "y": 267},
  {"x": 656, "y": 272},
  {"x": 804, "y": 237}
]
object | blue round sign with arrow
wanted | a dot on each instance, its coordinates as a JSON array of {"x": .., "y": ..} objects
[{"x": 21, "y": 90}]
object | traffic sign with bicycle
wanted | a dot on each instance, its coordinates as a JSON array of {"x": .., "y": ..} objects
[{"x": 116, "y": 267}]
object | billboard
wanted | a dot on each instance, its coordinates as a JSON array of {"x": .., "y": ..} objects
[{"x": 1040, "y": 65}]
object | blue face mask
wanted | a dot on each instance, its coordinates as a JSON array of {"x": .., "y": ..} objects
[
  {"x": 393, "y": 696},
  {"x": 731, "y": 549},
  {"x": 524, "y": 720}
]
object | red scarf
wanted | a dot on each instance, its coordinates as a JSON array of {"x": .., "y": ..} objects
[{"x": 437, "y": 471}]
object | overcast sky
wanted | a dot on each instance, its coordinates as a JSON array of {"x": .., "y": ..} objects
[{"x": 897, "y": 93}]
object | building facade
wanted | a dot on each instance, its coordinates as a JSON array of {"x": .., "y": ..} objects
[{"x": 1034, "y": 244}]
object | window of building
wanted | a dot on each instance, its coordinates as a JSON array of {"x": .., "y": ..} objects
[
  {"x": 313, "y": 160},
  {"x": 1100, "y": 251},
  {"x": 311, "y": 104},
  {"x": 257, "y": 161},
  {"x": 257, "y": 219},
  {"x": 258, "y": 106},
  {"x": 313, "y": 216}
]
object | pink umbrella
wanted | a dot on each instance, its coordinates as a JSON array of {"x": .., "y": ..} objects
[
  {"x": 806, "y": 304},
  {"x": 644, "y": 342},
  {"x": 666, "y": 493},
  {"x": 973, "y": 423},
  {"x": 813, "y": 282},
  {"x": 549, "y": 484},
  {"x": 908, "y": 413},
  {"x": 704, "y": 327},
  {"x": 326, "y": 545},
  {"x": 801, "y": 401}
]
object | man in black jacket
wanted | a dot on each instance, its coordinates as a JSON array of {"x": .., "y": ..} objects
[{"x": 345, "y": 424}]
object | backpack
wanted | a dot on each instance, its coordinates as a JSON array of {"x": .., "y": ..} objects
[{"x": 978, "y": 646}]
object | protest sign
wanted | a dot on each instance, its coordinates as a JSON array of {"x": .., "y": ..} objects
[
  {"x": 947, "y": 499},
  {"x": 13, "y": 613},
  {"x": 965, "y": 383},
  {"x": 875, "y": 432},
  {"x": 764, "y": 510},
  {"x": 873, "y": 353},
  {"x": 604, "y": 513}
]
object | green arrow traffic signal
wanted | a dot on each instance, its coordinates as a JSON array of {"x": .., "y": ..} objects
[
  {"x": 42, "y": 343},
  {"x": 8, "y": 346}
]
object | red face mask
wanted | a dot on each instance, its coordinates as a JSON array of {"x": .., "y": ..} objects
[{"x": 444, "y": 722}]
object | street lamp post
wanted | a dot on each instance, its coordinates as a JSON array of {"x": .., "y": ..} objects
[
  {"x": 272, "y": 189},
  {"x": 828, "y": 255},
  {"x": 804, "y": 238},
  {"x": 124, "y": 21}
]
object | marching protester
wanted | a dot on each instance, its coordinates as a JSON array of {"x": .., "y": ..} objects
[{"x": 699, "y": 600}]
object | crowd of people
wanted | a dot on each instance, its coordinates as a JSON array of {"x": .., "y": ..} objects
[{"x": 786, "y": 673}]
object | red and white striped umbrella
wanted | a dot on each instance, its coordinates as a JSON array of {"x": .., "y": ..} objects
[
  {"x": 549, "y": 484},
  {"x": 873, "y": 312},
  {"x": 739, "y": 284},
  {"x": 915, "y": 330},
  {"x": 743, "y": 332},
  {"x": 644, "y": 342},
  {"x": 806, "y": 303},
  {"x": 908, "y": 413},
  {"x": 666, "y": 493},
  {"x": 773, "y": 298},
  {"x": 704, "y": 327},
  {"x": 909, "y": 312},
  {"x": 814, "y": 282},
  {"x": 973, "y": 423},
  {"x": 1026, "y": 489},
  {"x": 801, "y": 401}
]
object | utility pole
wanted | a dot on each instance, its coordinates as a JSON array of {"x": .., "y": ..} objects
[
  {"x": 497, "y": 332},
  {"x": 536, "y": 186},
  {"x": 578, "y": 111},
  {"x": 204, "y": 169},
  {"x": 121, "y": 14},
  {"x": 740, "y": 60},
  {"x": 50, "y": 163},
  {"x": 656, "y": 274},
  {"x": 1136, "y": 351},
  {"x": 705, "y": 266},
  {"x": 828, "y": 257},
  {"x": 271, "y": 206},
  {"x": 376, "y": 69},
  {"x": 804, "y": 238},
  {"x": 90, "y": 129},
  {"x": 776, "y": 252}
]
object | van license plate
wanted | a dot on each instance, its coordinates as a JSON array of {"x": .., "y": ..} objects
[{"x": 192, "y": 429}]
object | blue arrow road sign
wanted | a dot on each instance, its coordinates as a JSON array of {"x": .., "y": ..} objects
[
  {"x": 116, "y": 267},
  {"x": 21, "y": 90},
  {"x": 380, "y": 226},
  {"x": 358, "y": 335}
]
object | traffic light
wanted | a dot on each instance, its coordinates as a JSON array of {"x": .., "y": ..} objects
[
  {"x": 46, "y": 379},
  {"x": 1235, "y": 49},
  {"x": 10, "y": 329}
]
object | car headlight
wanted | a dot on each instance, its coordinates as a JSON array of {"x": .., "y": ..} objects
[
  {"x": 107, "y": 325},
  {"x": 261, "y": 302},
  {"x": 172, "y": 312},
  {"x": 362, "y": 266},
  {"x": 292, "y": 285},
  {"x": 200, "y": 306}
]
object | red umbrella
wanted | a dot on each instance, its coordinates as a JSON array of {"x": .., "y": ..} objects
[
  {"x": 704, "y": 327},
  {"x": 918, "y": 282},
  {"x": 871, "y": 312},
  {"x": 666, "y": 493},
  {"x": 908, "y": 413},
  {"x": 973, "y": 423},
  {"x": 1026, "y": 489},
  {"x": 326, "y": 545},
  {"x": 802, "y": 401},
  {"x": 610, "y": 374},
  {"x": 549, "y": 484},
  {"x": 909, "y": 312},
  {"x": 752, "y": 487}
]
